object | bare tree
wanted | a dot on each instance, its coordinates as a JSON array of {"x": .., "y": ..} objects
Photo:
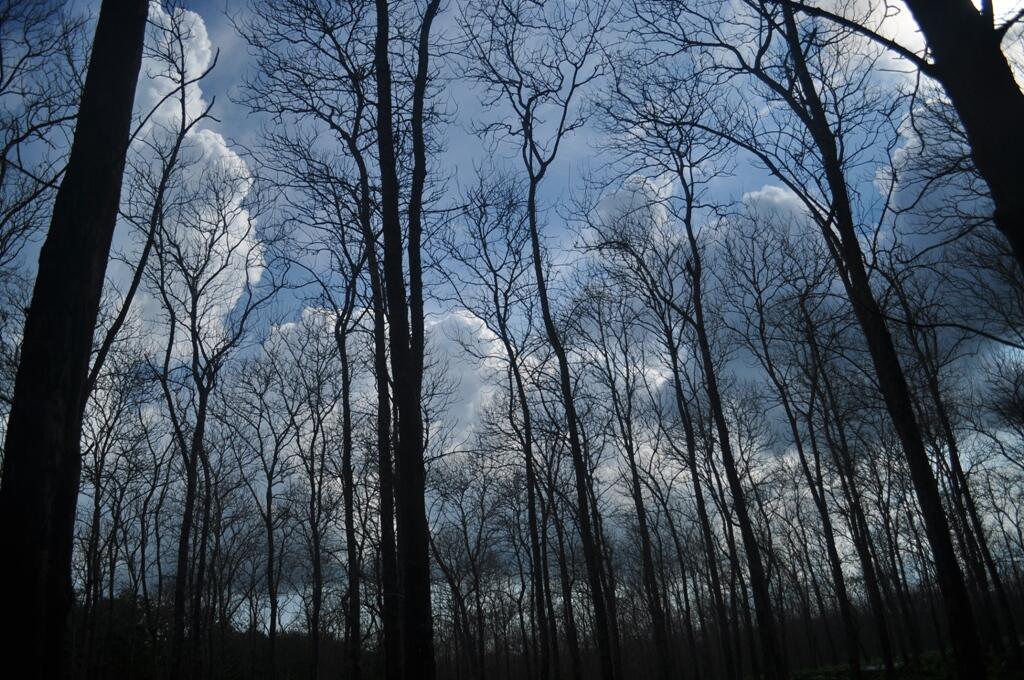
[
  {"x": 612, "y": 324},
  {"x": 979, "y": 81},
  {"x": 263, "y": 423},
  {"x": 42, "y": 460},
  {"x": 745, "y": 401},
  {"x": 548, "y": 83},
  {"x": 209, "y": 280},
  {"x": 495, "y": 288},
  {"x": 804, "y": 73},
  {"x": 40, "y": 81},
  {"x": 405, "y": 332}
]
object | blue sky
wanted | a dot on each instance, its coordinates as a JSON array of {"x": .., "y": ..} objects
[{"x": 579, "y": 157}]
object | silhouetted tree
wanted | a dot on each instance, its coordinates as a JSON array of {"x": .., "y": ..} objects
[{"x": 42, "y": 459}]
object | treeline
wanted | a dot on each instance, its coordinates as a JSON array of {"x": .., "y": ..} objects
[{"x": 322, "y": 405}]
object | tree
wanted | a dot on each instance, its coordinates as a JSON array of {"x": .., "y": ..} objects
[
  {"x": 42, "y": 462},
  {"x": 263, "y": 422},
  {"x": 495, "y": 289},
  {"x": 211, "y": 282},
  {"x": 405, "y": 334},
  {"x": 548, "y": 83},
  {"x": 965, "y": 56},
  {"x": 615, "y": 331},
  {"x": 680, "y": 376},
  {"x": 41, "y": 81},
  {"x": 790, "y": 67},
  {"x": 653, "y": 121}
]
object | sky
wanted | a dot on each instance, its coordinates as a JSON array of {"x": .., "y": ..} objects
[{"x": 579, "y": 160}]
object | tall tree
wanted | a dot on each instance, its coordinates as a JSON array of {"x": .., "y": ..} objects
[
  {"x": 492, "y": 282},
  {"x": 798, "y": 69},
  {"x": 405, "y": 316},
  {"x": 42, "y": 459},
  {"x": 965, "y": 55},
  {"x": 535, "y": 83}
]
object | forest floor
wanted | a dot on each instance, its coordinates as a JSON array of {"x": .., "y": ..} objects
[{"x": 932, "y": 667}]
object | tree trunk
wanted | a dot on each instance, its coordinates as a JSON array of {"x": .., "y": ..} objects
[
  {"x": 354, "y": 643},
  {"x": 526, "y": 438},
  {"x": 970, "y": 661},
  {"x": 773, "y": 654},
  {"x": 42, "y": 459},
  {"x": 858, "y": 522},
  {"x": 815, "y": 483},
  {"x": 571, "y": 632},
  {"x": 271, "y": 585},
  {"x": 407, "y": 370},
  {"x": 970, "y": 64},
  {"x": 406, "y": 344},
  {"x": 591, "y": 553},
  {"x": 181, "y": 576},
  {"x": 707, "y": 537},
  {"x": 962, "y": 495},
  {"x": 390, "y": 622}
]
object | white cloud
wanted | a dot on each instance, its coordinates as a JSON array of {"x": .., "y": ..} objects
[
  {"x": 157, "y": 80},
  {"x": 639, "y": 200},
  {"x": 775, "y": 201},
  {"x": 207, "y": 217},
  {"x": 471, "y": 373}
]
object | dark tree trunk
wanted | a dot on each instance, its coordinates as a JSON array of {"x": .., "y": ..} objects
[
  {"x": 390, "y": 614},
  {"x": 268, "y": 527},
  {"x": 963, "y": 497},
  {"x": 405, "y": 317},
  {"x": 965, "y": 46},
  {"x": 526, "y": 438},
  {"x": 571, "y": 632},
  {"x": 317, "y": 576},
  {"x": 191, "y": 457},
  {"x": 42, "y": 459},
  {"x": 549, "y": 604},
  {"x": 200, "y": 567},
  {"x": 816, "y": 485},
  {"x": 591, "y": 552},
  {"x": 685, "y": 613},
  {"x": 970, "y": 64},
  {"x": 707, "y": 537},
  {"x": 390, "y": 623},
  {"x": 821, "y": 390},
  {"x": 353, "y": 647}
]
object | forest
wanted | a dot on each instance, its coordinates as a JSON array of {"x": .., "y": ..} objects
[{"x": 500, "y": 339}]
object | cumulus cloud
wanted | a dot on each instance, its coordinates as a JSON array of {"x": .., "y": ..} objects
[
  {"x": 158, "y": 78},
  {"x": 207, "y": 223},
  {"x": 639, "y": 199},
  {"x": 469, "y": 355},
  {"x": 775, "y": 201}
]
